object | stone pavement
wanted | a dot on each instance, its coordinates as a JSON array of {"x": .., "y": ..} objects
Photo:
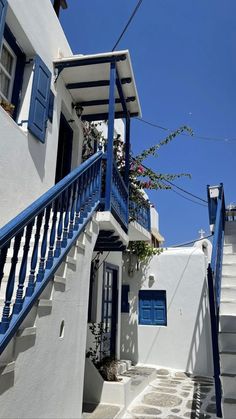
[{"x": 175, "y": 395}]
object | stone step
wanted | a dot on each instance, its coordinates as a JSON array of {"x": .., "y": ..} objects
[
  {"x": 228, "y": 308},
  {"x": 228, "y": 293},
  {"x": 228, "y": 362},
  {"x": 229, "y": 385},
  {"x": 229, "y": 408},
  {"x": 228, "y": 280},
  {"x": 229, "y": 268},
  {"x": 230, "y": 227},
  {"x": 230, "y": 239},
  {"x": 228, "y": 323},
  {"x": 227, "y": 341},
  {"x": 229, "y": 249},
  {"x": 229, "y": 258}
]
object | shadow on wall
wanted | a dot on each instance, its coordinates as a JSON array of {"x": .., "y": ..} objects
[
  {"x": 129, "y": 321},
  {"x": 160, "y": 330},
  {"x": 200, "y": 348}
]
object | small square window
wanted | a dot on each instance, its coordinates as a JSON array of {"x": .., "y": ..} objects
[{"x": 152, "y": 308}]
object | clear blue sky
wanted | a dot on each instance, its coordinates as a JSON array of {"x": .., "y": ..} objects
[{"x": 184, "y": 59}]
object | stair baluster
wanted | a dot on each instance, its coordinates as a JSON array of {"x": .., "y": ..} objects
[
  {"x": 67, "y": 204},
  {"x": 59, "y": 227},
  {"x": 49, "y": 262},
  {"x": 3, "y": 258},
  {"x": 19, "y": 294},
  {"x": 44, "y": 245},
  {"x": 72, "y": 210},
  {"x": 34, "y": 259},
  {"x": 10, "y": 284}
]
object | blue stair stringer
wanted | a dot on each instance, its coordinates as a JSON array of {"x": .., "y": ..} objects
[{"x": 54, "y": 222}]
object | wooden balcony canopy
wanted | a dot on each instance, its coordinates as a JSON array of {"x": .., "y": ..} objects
[{"x": 87, "y": 77}]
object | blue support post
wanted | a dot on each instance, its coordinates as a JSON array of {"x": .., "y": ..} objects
[
  {"x": 127, "y": 149},
  {"x": 111, "y": 116}
]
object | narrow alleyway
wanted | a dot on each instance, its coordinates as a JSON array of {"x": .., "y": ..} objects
[{"x": 175, "y": 395}]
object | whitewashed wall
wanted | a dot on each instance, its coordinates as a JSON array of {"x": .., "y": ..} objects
[
  {"x": 27, "y": 166},
  {"x": 47, "y": 381},
  {"x": 185, "y": 342}
]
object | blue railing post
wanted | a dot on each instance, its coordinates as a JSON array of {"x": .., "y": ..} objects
[
  {"x": 111, "y": 115},
  {"x": 216, "y": 208}
]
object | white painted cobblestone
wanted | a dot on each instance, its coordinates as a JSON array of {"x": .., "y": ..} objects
[{"x": 175, "y": 395}]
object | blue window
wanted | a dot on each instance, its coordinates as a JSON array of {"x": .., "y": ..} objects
[
  {"x": 152, "y": 308},
  {"x": 12, "y": 63},
  {"x": 3, "y": 11},
  {"x": 125, "y": 299},
  {"x": 39, "y": 103}
]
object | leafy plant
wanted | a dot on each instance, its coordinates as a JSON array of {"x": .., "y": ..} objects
[
  {"x": 96, "y": 352},
  {"x": 143, "y": 250}
]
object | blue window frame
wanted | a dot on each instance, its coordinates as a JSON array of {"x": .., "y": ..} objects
[
  {"x": 152, "y": 308},
  {"x": 3, "y": 12},
  {"x": 18, "y": 70}
]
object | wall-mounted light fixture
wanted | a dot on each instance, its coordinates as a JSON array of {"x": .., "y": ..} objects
[{"x": 78, "y": 109}]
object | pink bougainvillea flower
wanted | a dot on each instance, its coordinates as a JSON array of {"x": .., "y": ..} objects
[{"x": 140, "y": 170}]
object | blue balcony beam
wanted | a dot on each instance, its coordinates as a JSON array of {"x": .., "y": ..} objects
[
  {"x": 59, "y": 66},
  {"x": 111, "y": 116},
  {"x": 101, "y": 102},
  {"x": 97, "y": 83},
  {"x": 104, "y": 116}
]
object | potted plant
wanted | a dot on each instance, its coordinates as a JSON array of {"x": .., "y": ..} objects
[{"x": 7, "y": 106}]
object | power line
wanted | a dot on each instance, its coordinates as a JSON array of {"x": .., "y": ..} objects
[
  {"x": 201, "y": 137},
  {"x": 128, "y": 23},
  {"x": 192, "y": 241},
  {"x": 184, "y": 190},
  {"x": 189, "y": 199}
]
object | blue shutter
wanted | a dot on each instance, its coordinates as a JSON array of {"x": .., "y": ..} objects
[
  {"x": 125, "y": 299},
  {"x": 152, "y": 308},
  {"x": 3, "y": 11},
  {"x": 159, "y": 311},
  {"x": 145, "y": 308},
  {"x": 39, "y": 103}
]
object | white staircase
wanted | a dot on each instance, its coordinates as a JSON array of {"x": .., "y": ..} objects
[{"x": 227, "y": 335}]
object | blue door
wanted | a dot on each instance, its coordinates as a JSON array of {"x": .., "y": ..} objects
[{"x": 109, "y": 309}]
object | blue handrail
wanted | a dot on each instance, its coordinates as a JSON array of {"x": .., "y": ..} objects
[
  {"x": 216, "y": 206},
  {"x": 53, "y": 222}
]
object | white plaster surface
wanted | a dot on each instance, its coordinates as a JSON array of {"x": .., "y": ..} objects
[
  {"x": 47, "y": 381},
  {"x": 185, "y": 342},
  {"x": 27, "y": 166}
]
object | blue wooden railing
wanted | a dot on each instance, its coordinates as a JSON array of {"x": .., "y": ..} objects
[
  {"x": 119, "y": 198},
  {"x": 140, "y": 212},
  {"x": 216, "y": 206},
  {"x": 51, "y": 224}
]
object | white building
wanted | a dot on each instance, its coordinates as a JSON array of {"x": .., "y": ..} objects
[{"x": 49, "y": 294}]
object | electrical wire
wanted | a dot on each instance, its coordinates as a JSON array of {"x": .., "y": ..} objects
[
  {"x": 188, "y": 199},
  {"x": 201, "y": 137},
  {"x": 188, "y": 193},
  {"x": 192, "y": 241},
  {"x": 128, "y": 23}
]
